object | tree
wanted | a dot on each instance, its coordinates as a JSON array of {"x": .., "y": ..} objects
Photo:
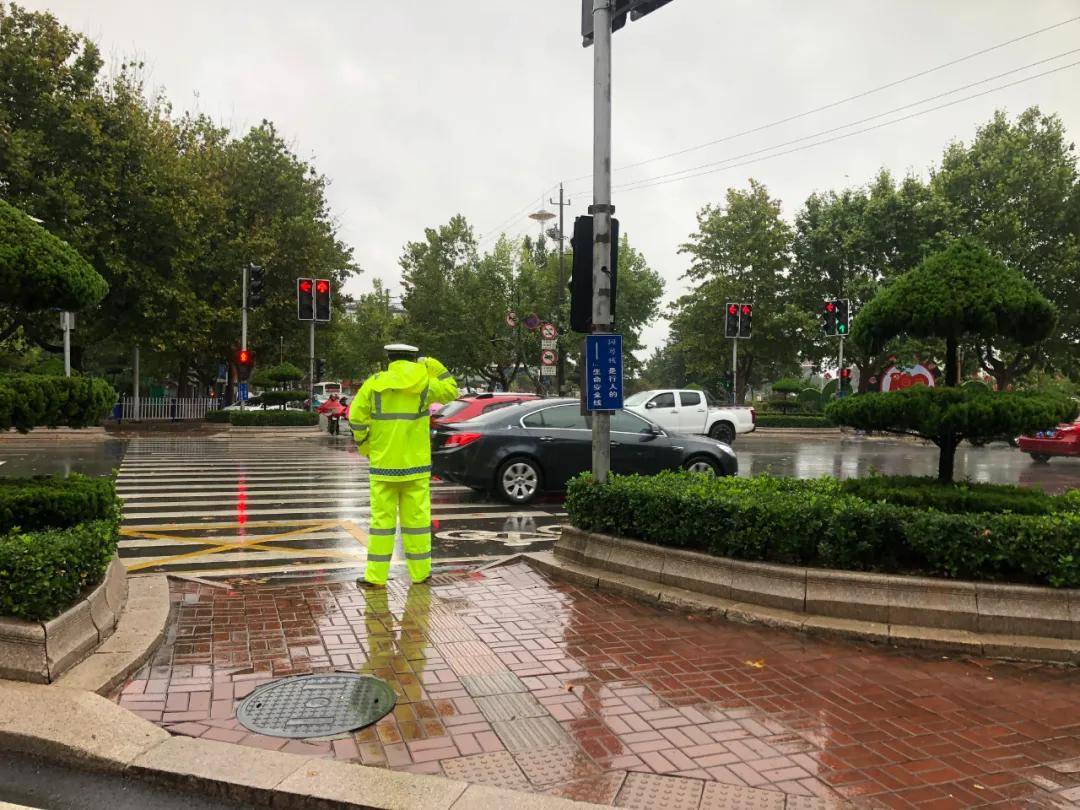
[
  {"x": 961, "y": 292},
  {"x": 741, "y": 252},
  {"x": 1015, "y": 189},
  {"x": 356, "y": 339}
]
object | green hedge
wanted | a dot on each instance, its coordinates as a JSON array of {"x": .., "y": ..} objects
[
  {"x": 817, "y": 523},
  {"x": 282, "y": 397},
  {"x": 960, "y": 497},
  {"x": 273, "y": 418},
  {"x": 55, "y": 502},
  {"x": 29, "y": 400},
  {"x": 217, "y": 416},
  {"x": 773, "y": 420},
  {"x": 43, "y": 573}
]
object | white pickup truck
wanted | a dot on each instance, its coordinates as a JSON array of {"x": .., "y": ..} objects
[{"x": 692, "y": 412}]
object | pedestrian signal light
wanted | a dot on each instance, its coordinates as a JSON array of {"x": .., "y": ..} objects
[
  {"x": 244, "y": 362},
  {"x": 746, "y": 318},
  {"x": 842, "y": 316},
  {"x": 581, "y": 270},
  {"x": 305, "y": 299},
  {"x": 256, "y": 286},
  {"x": 731, "y": 321},
  {"x": 828, "y": 318},
  {"x": 322, "y": 299}
]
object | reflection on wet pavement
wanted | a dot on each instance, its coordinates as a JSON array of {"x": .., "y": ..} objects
[
  {"x": 25, "y": 456},
  {"x": 506, "y": 677}
]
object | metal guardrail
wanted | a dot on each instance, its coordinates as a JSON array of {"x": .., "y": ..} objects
[{"x": 165, "y": 408}]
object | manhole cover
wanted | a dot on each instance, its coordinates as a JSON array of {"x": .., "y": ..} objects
[{"x": 316, "y": 705}]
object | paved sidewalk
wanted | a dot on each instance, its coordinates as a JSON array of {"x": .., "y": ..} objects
[{"x": 505, "y": 677}]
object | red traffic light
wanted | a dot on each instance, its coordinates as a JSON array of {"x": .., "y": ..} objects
[
  {"x": 845, "y": 373},
  {"x": 830, "y": 306},
  {"x": 745, "y": 309},
  {"x": 243, "y": 357},
  {"x": 305, "y": 285},
  {"x": 322, "y": 287},
  {"x": 733, "y": 309}
]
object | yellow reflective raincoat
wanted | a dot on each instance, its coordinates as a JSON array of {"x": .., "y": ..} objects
[{"x": 390, "y": 423}]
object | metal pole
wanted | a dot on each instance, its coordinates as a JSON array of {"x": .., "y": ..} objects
[
  {"x": 601, "y": 210},
  {"x": 135, "y": 388},
  {"x": 311, "y": 369},
  {"x": 65, "y": 323},
  {"x": 560, "y": 373},
  {"x": 734, "y": 370},
  {"x": 840, "y": 371},
  {"x": 243, "y": 321}
]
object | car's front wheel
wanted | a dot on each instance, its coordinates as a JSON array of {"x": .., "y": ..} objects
[
  {"x": 702, "y": 465},
  {"x": 518, "y": 480},
  {"x": 722, "y": 432},
  {"x": 1040, "y": 458}
]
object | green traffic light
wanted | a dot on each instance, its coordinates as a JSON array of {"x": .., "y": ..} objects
[{"x": 841, "y": 328}]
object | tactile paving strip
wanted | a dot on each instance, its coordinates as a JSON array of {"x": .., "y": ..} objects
[
  {"x": 649, "y": 791},
  {"x": 719, "y": 796},
  {"x": 477, "y": 665},
  {"x": 531, "y": 733},
  {"x": 598, "y": 790},
  {"x": 510, "y": 707},
  {"x": 810, "y": 803},
  {"x": 497, "y": 769},
  {"x": 496, "y": 683},
  {"x": 316, "y": 705},
  {"x": 551, "y": 765}
]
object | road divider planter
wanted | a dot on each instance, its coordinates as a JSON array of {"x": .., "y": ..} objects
[{"x": 694, "y": 530}]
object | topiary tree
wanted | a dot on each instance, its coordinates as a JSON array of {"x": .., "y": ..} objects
[
  {"x": 782, "y": 389},
  {"x": 809, "y": 400},
  {"x": 40, "y": 272},
  {"x": 960, "y": 292},
  {"x": 278, "y": 379}
]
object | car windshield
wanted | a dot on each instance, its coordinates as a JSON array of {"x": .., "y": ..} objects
[
  {"x": 637, "y": 399},
  {"x": 452, "y": 408}
]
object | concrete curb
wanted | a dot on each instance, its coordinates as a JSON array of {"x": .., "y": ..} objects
[
  {"x": 80, "y": 729},
  {"x": 997, "y": 621},
  {"x": 56, "y": 434},
  {"x": 142, "y": 626}
]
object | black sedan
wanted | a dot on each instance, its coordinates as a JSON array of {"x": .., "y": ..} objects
[{"x": 525, "y": 449}]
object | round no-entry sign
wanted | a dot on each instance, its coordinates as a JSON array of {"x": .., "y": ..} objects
[
  {"x": 547, "y": 331},
  {"x": 547, "y": 357}
]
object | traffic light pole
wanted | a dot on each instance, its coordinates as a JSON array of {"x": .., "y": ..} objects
[
  {"x": 734, "y": 370},
  {"x": 311, "y": 369},
  {"x": 243, "y": 321},
  {"x": 601, "y": 210},
  {"x": 560, "y": 373},
  {"x": 840, "y": 370}
]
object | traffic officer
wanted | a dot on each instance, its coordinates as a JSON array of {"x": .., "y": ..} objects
[{"x": 391, "y": 425}]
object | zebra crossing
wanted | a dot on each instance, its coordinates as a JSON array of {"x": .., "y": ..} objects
[{"x": 282, "y": 506}]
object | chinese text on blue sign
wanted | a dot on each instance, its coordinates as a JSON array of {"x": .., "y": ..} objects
[
  {"x": 243, "y": 393},
  {"x": 603, "y": 373}
]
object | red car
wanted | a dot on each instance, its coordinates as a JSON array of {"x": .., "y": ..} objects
[
  {"x": 1065, "y": 441},
  {"x": 471, "y": 405}
]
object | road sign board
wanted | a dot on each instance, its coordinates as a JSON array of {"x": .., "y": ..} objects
[
  {"x": 511, "y": 319},
  {"x": 549, "y": 344},
  {"x": 548, "y": 357},
  {"x": 532, "y": 322},
  {"x": 242, "y": 391},
  {"x": 222, "y": 372},
  {"x": 548, "y": 371},
  {"x": 548, "y": 331},
  {"x": 603, "y": 387}
]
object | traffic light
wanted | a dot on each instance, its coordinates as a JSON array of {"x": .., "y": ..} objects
[
  {"x": 581, "y": 273},
  {"x": 322, "y": 299},
  {"x": 842, "y": 317},
  {"x": 729, "y": 380},
  {"x": 619, "y": 9},
  {"x": 845, "y": 380},
  {"x": 305, "y": 299},
  {"x": 244, "y": 361},
  {"x": 731, "y": 320},
  {"x": 828, "y": 318},
  {"x": 746, "y": 318},
  {"x": 256, "y": 286}
]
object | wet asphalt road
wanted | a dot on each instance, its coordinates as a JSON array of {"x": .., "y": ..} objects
[{"x": 245, "y": 508}]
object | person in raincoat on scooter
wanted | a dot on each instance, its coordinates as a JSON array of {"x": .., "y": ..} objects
[{"x": 390, "y": 422}]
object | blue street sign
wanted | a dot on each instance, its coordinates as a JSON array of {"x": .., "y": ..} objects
[
  {"x": 243, "y": 392},
  {"x": 222, "y": 372},
  {"x": 603, "y": 373}
]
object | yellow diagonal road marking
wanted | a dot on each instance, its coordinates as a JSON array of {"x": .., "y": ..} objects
[{"x": 251, "y": 524}]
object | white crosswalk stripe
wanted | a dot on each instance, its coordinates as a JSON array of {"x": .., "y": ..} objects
[{"x": 276, "y": 506}]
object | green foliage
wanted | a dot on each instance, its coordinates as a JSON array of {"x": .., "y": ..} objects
[
  {"x": 952, "y": 414},
  {"x": 284, "y": 373},
  {"x": 788, "y": 385},
  {"x": 283, "y": 397},
  {"x": 816, "y": 523},
  {"x": 273, "y": 418},
  {"x": 55, "y": 501},
  {"x": 39, "y": 271},
  {"x": 218, "y": 416},
  {"x": 975, "y": 385},
  {"x": 42, "y": 573},
  {"x": 958, "y": 498},
  {"x": 809, "y": 400},
  {"x": 28, "y": 401},
  {"x": 783, "y": 420},
  {"x": 959, "y": 292}
]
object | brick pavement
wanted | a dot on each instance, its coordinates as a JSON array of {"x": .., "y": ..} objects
[{"x": 508, "y": 678}]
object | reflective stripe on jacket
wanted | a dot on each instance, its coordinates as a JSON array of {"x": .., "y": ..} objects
[{"x": 390, "y": 421}]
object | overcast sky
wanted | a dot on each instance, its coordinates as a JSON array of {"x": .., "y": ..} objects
[{"x": 420, "y": 109}]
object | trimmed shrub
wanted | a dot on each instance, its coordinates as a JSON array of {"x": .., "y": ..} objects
[
  {"x": 43, "y": 573},
  {"x": 55, "y": 502},
  {"x": 272, "y": 398},
  {"x": 958, "y": 498},
  {"x": 792, "y": 421},
  {"x": 817, "y": 523},
  {"x": 219, "y": 415},
  {"x": 273, "y": 418},
  {"x": 809, "y": 400},
  {"x": 29, "y": 400}
]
